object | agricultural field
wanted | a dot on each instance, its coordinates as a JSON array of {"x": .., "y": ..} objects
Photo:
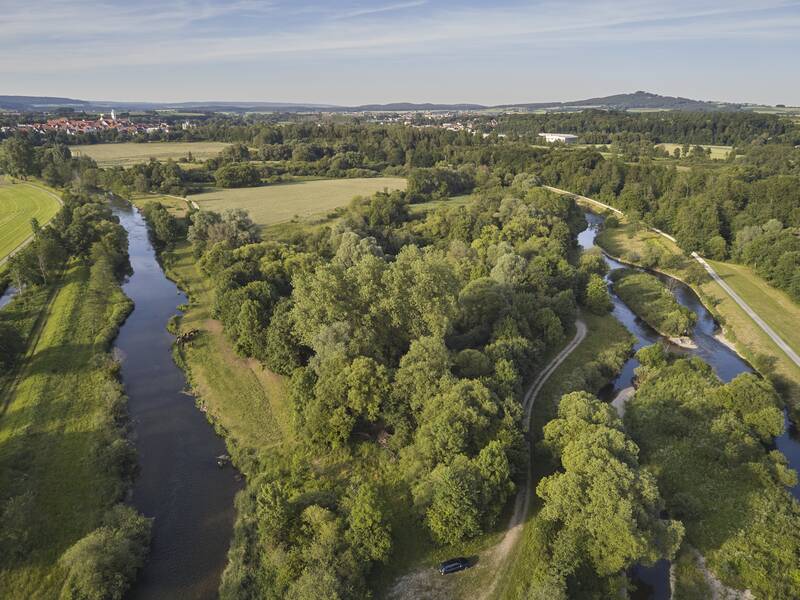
[
  {"x": 19, "y": 203},
  {"x": 130, "y": 153},
  {"x": 278, "y": 203},
  {"x": 717, "y": 152},
  {"x": 176, "y": 206}
]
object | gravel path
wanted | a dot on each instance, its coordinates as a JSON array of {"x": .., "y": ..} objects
[{"x": 426, "y": 583}]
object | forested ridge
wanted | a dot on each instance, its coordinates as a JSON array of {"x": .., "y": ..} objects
[{"x": 693, "y": 128}]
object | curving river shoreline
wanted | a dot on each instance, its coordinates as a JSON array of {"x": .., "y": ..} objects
[
  {"x": 180, "y": 484},
  {"x": 653, "y": 582}
]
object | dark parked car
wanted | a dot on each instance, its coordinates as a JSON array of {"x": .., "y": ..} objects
[{"x": 453, "y": 565}]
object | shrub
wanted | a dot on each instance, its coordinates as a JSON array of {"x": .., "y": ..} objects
[{"x": 101, "y": 565}]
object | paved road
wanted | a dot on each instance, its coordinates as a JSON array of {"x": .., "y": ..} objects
[
  {"x": 793, "y": 356},
  {"x": 523, "y": 501},
  {"x": 751, "y": 313}
]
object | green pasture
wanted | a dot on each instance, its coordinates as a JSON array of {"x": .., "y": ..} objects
[
  {"x": 19, "y": 203},
  {"x": 278, "y": 203}
]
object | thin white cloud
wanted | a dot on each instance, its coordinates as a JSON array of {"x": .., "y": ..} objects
[
  {"x": 363, "y": 12},
  {"x": 63, "y": 38}
]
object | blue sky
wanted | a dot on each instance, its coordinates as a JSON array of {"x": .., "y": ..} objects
[{"x": 356, "y": 52}]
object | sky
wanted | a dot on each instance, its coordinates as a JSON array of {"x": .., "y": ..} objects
[{"x": 357, "y": 52}]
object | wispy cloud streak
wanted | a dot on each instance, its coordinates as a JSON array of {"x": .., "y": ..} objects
[{"x": 54, "y": 35}]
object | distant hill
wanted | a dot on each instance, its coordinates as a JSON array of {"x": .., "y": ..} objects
[
  {"x": 39, "y": 102},
  {"x": 636, "y": 101}
]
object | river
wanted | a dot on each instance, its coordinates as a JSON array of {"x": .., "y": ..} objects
[
  {"x": 8, "y": 295},
  {"x": 180, "y": 484},
  {"x": 653, "y": 582}
]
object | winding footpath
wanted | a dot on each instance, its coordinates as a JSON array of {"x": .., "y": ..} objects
[
  {"x": 788, "y": 350},
  {"x": 523, "y": 501},
  {"x": 426, "y": 582}
]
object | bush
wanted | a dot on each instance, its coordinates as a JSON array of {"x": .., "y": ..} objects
[
  {"x": 102, "y": 565},
  {"x": 237, "y": 175}
]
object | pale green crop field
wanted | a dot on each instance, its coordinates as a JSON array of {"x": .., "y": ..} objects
[
  {"x": 129, "y": 153},
  {"x": 278, "y": 203},
  {"x": 717, "y": 152},
  {"x": 19, "y": 203}
]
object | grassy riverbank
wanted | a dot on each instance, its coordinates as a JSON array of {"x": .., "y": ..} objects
[
  {"x": 247, "y": 403},
  {"x": 652, "y": 302},
  {"x": 63, "y": 462},
  {"x": 594, "y": 363},
  {"x": 631, "y": 243}
]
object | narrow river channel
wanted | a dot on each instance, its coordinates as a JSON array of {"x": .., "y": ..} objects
[
  {"x": 653, "y": 582},
  {"x": 180, "y": 484}
]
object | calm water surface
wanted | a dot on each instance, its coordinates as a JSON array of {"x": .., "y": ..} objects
[
  {"x": 653, "y": 582},
  {"x": 8, "y": 295},
  {"x": 179, "y": 484}
]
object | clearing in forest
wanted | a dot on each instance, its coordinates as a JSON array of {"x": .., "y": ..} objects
[{"x": 278, "y": 203}]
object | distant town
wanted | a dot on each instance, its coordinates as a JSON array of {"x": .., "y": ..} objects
[{"x": 76, "y": 126}]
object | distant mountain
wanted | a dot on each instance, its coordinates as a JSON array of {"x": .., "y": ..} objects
[{"x": 636, "y": 101}]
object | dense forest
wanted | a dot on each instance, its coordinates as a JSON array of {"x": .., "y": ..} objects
[
  {"x": 417, "y": 333},
  {"x": 708, "y": 444},
  {"x": 606, "y": 127}
]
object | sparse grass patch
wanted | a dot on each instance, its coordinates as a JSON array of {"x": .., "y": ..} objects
[
  {"x": 717, "y": 152},
  {"x": 241, "y": 397},
  {"x": 176, "y": 206}
]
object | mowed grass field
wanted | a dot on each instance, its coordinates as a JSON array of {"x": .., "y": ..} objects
[
  {"x": 278, "y": 203},
  {"x": 717, "y": 152},
  {"x": 774, "y": 306},
  {"x": 176, "y": 206},
  {"x": 19, "y": 203},
  {"x": 129, "y": 153}
]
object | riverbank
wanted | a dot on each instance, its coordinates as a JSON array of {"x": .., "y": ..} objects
[
  {"x": 246, "y": 403},
  {"x": 64, "y": 460},
  {"x": 629, "y": 242},
  {"x": 653, "y": 303},
  {"x": 592, "y": 366}
]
